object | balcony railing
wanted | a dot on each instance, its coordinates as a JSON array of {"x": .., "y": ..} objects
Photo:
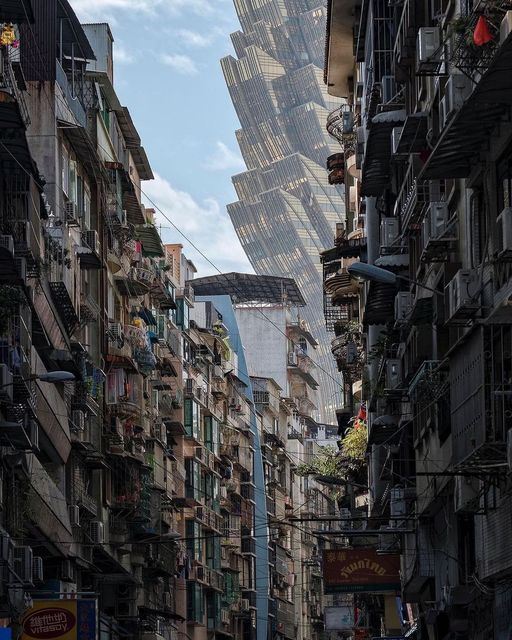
[
  {"x": 9, "y": 83},
  {"x": 72, "y": 101}
]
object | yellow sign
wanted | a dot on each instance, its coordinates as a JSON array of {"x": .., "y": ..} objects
[{"x": 60, "y": 619}]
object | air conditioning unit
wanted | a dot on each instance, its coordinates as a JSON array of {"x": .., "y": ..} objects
[
  {"x": 292, "y": 358},
  {"x": 74, "y": 515},
  {"x": 395, "y": 139},
  {"x": 387, "y": 89},
  {"x": 403, "y": 306},
  {"x": 456, "y": 91},
  {"x": 23, "y": 562},
  {"x": 389, "y": 230},
  {"x": 224, "y": 616},
  {"x": 393, "y": 373},
  {"x": 506, "y": 27},
  {"x": 6, "y": 381},
  {"x": 7, "y": 243},
  {"x": 466, "y": 494},
  {"x": 435, "y": 222},
  {"x": 38, "y": 569},
  {"x": 71, "y": 212},
  {"x": 347, "y": 121},
  {"x": 504, "y": 232},
  {"x": 77, "y": 420},
  {"x": 462, "y": 294},
  {"x": 115, "y": 330},
  {"x": 244, "y": 604},
  {"x": 96, "y": 532},
  {"x": 428, "y": 49},
  {"x": 91, "y": 239},
  {"x": 67, "y": 571}
]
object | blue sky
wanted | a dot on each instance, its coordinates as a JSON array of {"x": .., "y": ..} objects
[{"x": 167, "y": 72}]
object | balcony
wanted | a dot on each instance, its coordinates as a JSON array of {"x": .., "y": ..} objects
[
  {"x": 10, "y": 85},
  {"x": 135, "y": 283},
  {"x": 209, "y": 518},
  {"x": 72, "y": 102},
  {"x": 205, "y": 457},
  {"x": 187, "y": 293},
  {"x": 404, "y": 50},
  {"x": 64, "y": 306},
  {"x": 481, "y": 396}
]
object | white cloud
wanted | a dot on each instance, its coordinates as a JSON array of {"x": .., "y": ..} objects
[
  {"x": 193, "y": 38},
  {"x": 224, "y": 159},
  {"x": 204, "y": 223},
  {"x": 122, "y": 55},
  {"x": 95, "y": 9},
  {"x": 180, "y": 63}
]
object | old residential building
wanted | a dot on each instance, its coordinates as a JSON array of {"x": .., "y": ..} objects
[{"x": 425, "y": 154}]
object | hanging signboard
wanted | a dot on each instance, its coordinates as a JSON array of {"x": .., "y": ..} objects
[
  {"x": 60, "y": 619},
  {"x": 355, "y": 570}
]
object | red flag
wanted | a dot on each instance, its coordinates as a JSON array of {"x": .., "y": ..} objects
[{"x": 481, "y": 34}]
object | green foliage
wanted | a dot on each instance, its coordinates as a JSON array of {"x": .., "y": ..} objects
[{"x": 10, "y": 300}]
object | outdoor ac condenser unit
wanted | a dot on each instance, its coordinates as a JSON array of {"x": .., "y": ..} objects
[
  {"x": 456, "y": 91},
  {"x": 389, "y": 230},
  {"x": 428, "y": 48},
  {"x": 435, "y": 222},
  {"x": 462, "y": 295},
  {"x": 403, "y": 306},
  {"x": 504, "y": 233}
]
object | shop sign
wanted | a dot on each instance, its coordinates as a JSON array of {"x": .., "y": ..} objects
[
  {"x": 363, "y": 569},
  {"x": 60, "y": 619}
]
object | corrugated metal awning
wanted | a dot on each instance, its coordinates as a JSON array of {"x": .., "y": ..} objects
[
  {"x": 376, "y": 167},
  {"x": 150, "y": 240},
  {"x": 380, "y": 303}
]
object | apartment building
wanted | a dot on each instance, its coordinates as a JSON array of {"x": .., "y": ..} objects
[{"x": 425, "y": 151}]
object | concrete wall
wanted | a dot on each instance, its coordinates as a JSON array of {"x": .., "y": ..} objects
[{"x": 263, "y": 334}]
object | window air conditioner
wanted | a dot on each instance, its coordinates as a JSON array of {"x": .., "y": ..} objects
[
  {"x": 456, "y": 91},
  {"x": 504, "y": 233},
  {"x": 91, "y": 240},
  {"x": 388, "y": 233},
  {"x": 74, "y": 515},
  {"x": 393, "y": 373},
  {"x": 96, "y": 532},
  {"x": 38, "y": 569},
  {"x": 23, "y": 562},
  {"x": 244, "y": 604},
  {"x": 435, "y": 222},
  {"x": 71, "y": 214},
  {"x": 428, "y": 49},
  {"x": 403, "y": 307},
  {"x": 462, "y": 295}
]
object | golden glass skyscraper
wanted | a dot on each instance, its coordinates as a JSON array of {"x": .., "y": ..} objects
[{"x": 286, "y": 212}]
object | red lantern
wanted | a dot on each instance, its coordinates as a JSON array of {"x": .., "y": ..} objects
[{"x": 481, "y": 34}]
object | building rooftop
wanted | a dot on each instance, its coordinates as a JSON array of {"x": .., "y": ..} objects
[{"x": 248, "y": 287}]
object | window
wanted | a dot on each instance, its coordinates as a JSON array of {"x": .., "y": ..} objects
[
  {"x": 192, "y": 427},
  {"x": 478, "y": 228},
  {"x": 195, "y": 611},
  {"x": 65, "y": 170},
  {"x": 72, "y": 182}
]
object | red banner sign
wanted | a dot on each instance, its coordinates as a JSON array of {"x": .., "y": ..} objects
[{"x": 352, "y": 570}]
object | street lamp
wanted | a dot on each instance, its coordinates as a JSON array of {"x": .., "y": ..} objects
[
  {"x": 52, "y": 377},
  {"x": 364, "y": 271}
]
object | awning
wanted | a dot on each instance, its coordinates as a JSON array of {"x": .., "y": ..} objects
[
  {"x": 380, "y": 303},
  {"x": 412, "y": 138},
  {"x": 16, "y": 11},
  {"x": 85, "y": 150},
  {"x": 471, "y": 127},
  {"x": 150, "y": 239},
  {"x": 352, "y": 248},
  {"x": 15, "y": 156},
  {"x": 132, "y": 140},
  {"x": 376, "y": 166},
  {"x": 396, "y": 261}
]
